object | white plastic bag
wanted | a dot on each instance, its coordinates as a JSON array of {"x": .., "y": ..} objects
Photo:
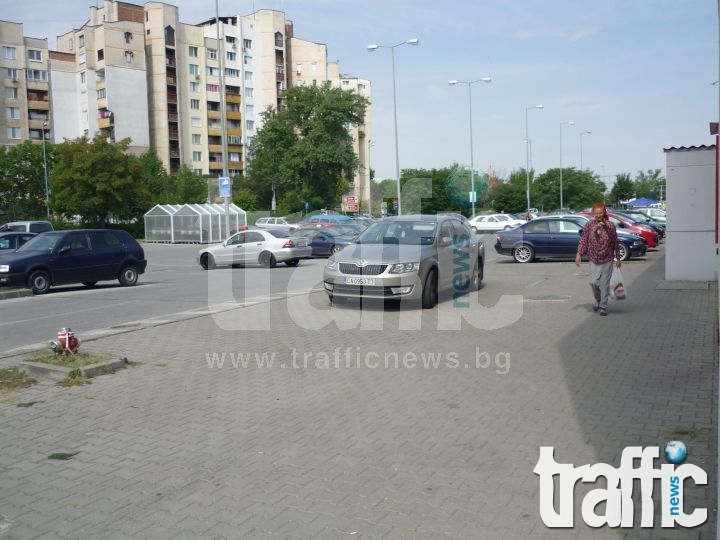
[{"x": 618, "y": 289}]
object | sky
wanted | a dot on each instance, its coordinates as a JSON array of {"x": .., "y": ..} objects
[{"x": 637, "y": 74}]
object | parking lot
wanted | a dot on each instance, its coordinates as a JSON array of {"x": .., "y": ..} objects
[{"x": 287, "y": 417}]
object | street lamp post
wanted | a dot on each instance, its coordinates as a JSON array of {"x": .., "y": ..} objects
[
  {"x": 581, "y": 136},
  {"x": 47, "y": 191},
  {"x": 372, "y": 48},
  {"x": 527, "y": 155},
  {"x": 472, "y": 163},
  {"x": 569, "y": 123}
]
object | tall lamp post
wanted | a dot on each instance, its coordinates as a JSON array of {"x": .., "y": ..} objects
[
  {"x": 581, "y": 136},
  {"x": 47, "y": 191},
  {"x": 472, "y": 163},
  {"x": 372, "y": 48},
  {"x": 569, "y": 123},
  {"x": 527, "y": 155}
]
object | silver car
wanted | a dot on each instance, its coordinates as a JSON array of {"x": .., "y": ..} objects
[
  {"x": 275, "y": 223},
  {"x": 264, "y": 247},
  {"x": 408, "y": 257}
]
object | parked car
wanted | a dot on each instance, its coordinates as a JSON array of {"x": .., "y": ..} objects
[
  {"x": 656, "y": 213},
  {"x": 27, "y": 226},
  {"x": 494, "y": 223},
  {"x": 266, "y": 247},
  {"x": 408, "y": 257},
  {"x": 625, "y": 223},
  {"x": 10, "y": 241},
  {"x": 323, "y": 220},
  {"x": 79, "y": 256},
  {"x": 327, "y": 240},
  {"x": 639, "y": 217},
  {"x": 275, "y": 223},
  {"x": 557, "y": 237}
]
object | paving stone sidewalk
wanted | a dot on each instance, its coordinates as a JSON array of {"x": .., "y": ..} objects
[{"x": 305, "y": 449}]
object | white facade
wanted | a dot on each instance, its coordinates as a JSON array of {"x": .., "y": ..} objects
[{"x": 690, "y": 248}]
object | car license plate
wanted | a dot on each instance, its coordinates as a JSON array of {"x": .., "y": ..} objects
[{"x": 359, "y": 281}]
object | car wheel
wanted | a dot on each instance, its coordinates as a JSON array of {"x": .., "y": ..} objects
[
  {"x": 624, "y": 252},
  {"x": 267, "y": 260},
  {"x": 292, "y": 262},
  {"x": 508, "y": 227},
  {"x": 479, "y": 273},
  {"x": 39, "y": 281},
  {"x": 430, "y": 290},
  {"x": 128, "y": 275},
  {"x": 207, "y": 261},
  {"x": 89, "y": 283},
  {"x": 524, "y": 254}
]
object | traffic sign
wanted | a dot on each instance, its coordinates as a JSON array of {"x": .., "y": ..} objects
[{"x": 224, "y": 186}]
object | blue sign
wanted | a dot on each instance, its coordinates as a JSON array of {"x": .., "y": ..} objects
[
  {"x": 307, "y": 205},
  {"x": 224, "y": 186}
]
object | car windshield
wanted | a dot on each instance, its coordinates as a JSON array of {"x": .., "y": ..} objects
[
  {"x": 43, "y": 242},
  {"x": 400, "y": 232}
]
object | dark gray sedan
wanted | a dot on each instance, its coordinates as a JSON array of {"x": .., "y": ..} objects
[{"x": 408, "y": 257}]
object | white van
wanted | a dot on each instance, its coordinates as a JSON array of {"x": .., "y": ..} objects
[{"x": 27, "y": 226}]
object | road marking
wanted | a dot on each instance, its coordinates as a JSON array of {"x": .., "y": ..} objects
[
  {"x": 64, "y": 313},
  {"x": 538, "y": 282}
]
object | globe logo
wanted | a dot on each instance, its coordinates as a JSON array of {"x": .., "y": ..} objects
[{"x": 675, "y": 452}]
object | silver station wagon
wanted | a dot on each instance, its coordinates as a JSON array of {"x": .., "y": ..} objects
[{"x": 410, "y": 257}]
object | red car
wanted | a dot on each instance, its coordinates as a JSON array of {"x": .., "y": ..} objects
[{"x": 623, "y": 223}]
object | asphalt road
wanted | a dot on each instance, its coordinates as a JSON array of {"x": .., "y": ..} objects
[{"x": 173, "y": 284}]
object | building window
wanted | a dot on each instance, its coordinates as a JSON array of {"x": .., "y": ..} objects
[
  {"x": 234, "y": 139},
  {"x": 215, "y": 72},
  {"x": 128, "y": 56},
  {"x": 345, "y": 83},
  {"x": 229, "y": 72},
  {"x": 248, "y": 76},
  {"x": 81, "y": 40},
  {"x": 34, "y": 55},
  {"x": 71, "y": 44},
  {"x": 11, "y": 73},
  {"x": 14, "y": 133},
  {"x": 128, "y": 37},
  {"x": 361, "y": 87},
  {"x": 278, "y": 39},
  {"x": 81, "y": 58},
  {"x": 212, "y": 54},
  {"x": 36, "y": 75},
  {"x": 231, "y": 56},
  {"x": 247, "y": 44},
  {"x": 11, "y": 92},
  {"x": 230, "y": 39},
  {"x": 194, "y": 103},
  {"x": 212, "y": 88},
  {"x": 198, "y": 171},
  {"x": 249, "y": 110},
  {"x": 194, "y": 69},
  {"x": 196, "y": 156},
  {"x": 248, "y": 60},
  {"x": 195, "y": 122},
  {"x": 102, "y": 93},
  {"x": 249, "y": 124},
  {"x": 234, "y": 156},
  {"x": 82, "y": 77},
  {"x": 9, "y": 53},
  {"x": 196, "y": 138},
  {"x": 12, "y": 113},
  {"x": 298, "y": 69},
  {"x": 248, "y": 92},
  {"x": 192, "y": 51},
  {"x": 194, "y": 86},
  {"x": 101, "y": 54}
]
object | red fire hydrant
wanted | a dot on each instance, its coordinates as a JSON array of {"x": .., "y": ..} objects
[{"x": 67, "y": 342}]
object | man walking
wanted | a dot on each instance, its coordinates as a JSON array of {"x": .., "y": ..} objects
[{"x": 599, "y": 240}]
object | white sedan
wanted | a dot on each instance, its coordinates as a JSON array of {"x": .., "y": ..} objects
[
  {"x": 264, "y": 247},
  {"x": 275, "y": 223},
  {"x": 494, "y": 223}
]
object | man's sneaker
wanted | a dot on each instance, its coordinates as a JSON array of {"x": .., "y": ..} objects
[{"x": 603, "y": 312}]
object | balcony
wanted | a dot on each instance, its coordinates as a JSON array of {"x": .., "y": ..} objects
[
  {"x": 105, "y": 123},
  {"x": 213, "y": 132},
  {"x": 170, "y": 62},
  {"x": 102, "y": 103},
  {"x": 39, "y": 105},
  {"x": 235, "y": 165},
  {"x": 174, "y": 152},
  {"x": 234, "y": 115},
  {"x": 216, "y": 166},
  {"x": 233, "y": 98},
  {"x": 217, "y": 148},
  {"x": 173, "y": 135},
  {"x": 172, "y": 97},
  {"x": 172, "y": 117},
  {"x": 215, "y": 115},
  {"x": 171, "y": 81}
]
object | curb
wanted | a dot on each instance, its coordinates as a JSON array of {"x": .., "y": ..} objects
[
  {"x": 15, "y": 293},
  {"x": 60, "y": 372}
]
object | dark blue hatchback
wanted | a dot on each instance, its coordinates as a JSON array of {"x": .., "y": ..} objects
[{"x": 79, "y": 256}]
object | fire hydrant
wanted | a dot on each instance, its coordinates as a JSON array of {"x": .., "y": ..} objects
[{"x": 67, "y": 342}]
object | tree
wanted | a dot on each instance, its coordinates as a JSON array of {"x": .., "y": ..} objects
[
  {"x": 415, "y": 185},
  {"x": 305, "y": 150},
  {"x": 190, "y": 187},
  {"x": 98, "y": 180},
  {"x": 511, "y": 196},
  {"x": 649, "y": 184},
  {"x": 622, "y": 190},
  {"x": 22, "y": 179},
  {"x": 580, "y": 189}
]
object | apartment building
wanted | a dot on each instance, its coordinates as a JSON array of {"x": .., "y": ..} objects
[
  {"x": 137, "y": 71},
  {"x": 25, "y": 81}
]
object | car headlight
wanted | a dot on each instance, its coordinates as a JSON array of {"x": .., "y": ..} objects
[
  {"x": 331, "y": 264},
  {"x": 404, "y": 268},
  {"x": 4, "y": 267}
]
